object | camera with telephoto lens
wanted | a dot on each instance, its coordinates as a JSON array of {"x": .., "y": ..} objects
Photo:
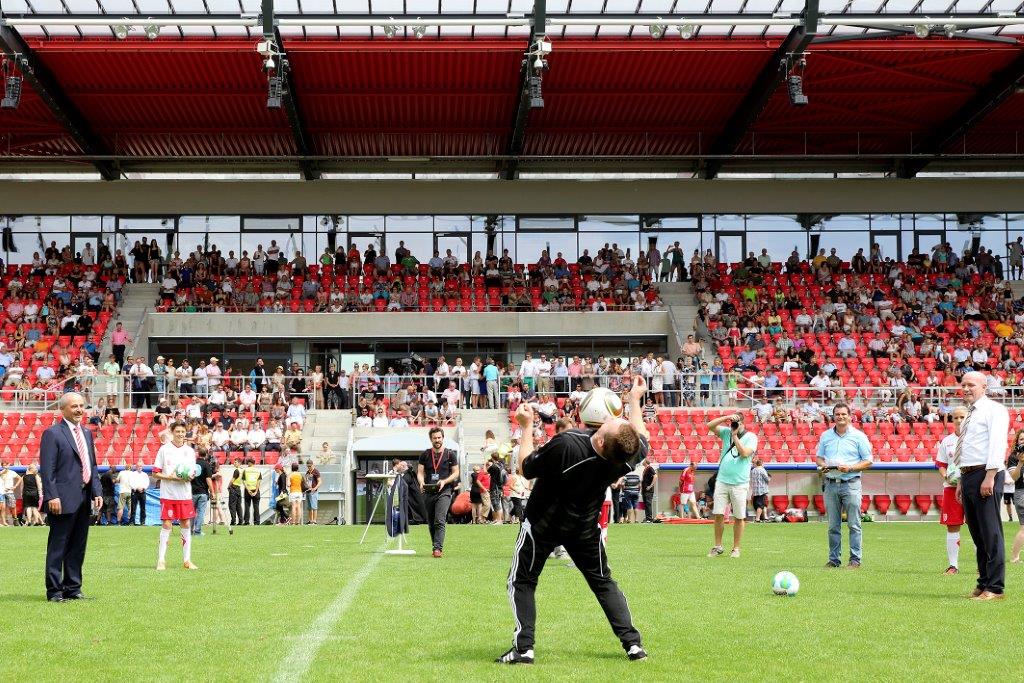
[{"x": 735, "y": 425}]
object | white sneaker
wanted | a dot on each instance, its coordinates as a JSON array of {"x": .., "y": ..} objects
[
  {"x": 716, "y": 551},
  {"x": 735, "y": 552}
]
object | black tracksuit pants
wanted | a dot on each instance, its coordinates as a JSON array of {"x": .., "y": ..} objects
[
  {"x": 588, "y": 554},
  {"x": 235, "y": 505}
]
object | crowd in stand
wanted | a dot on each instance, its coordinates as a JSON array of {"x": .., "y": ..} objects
[
  {"x": 341, "y": 281},
  {"x": 54, "y": 311},
  {"x": 824, "y": 326}
]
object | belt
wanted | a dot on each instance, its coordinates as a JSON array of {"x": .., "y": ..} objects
[
  {"x": 835, "y": 479},
  {"x": 971, "y": 468}
]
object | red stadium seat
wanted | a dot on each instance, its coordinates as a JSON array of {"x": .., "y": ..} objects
[
  {"x": 903, "y": 503},
  {"x": 780, "y": 503},
  {"x": 924, "y": 503},
  {"x": 882, "y": 503},
  {"x": 819, "y": 503},
  {"x": 865, "y": 503}
]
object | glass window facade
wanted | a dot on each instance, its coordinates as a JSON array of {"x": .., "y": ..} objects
[{"x": 730, "y": 236}]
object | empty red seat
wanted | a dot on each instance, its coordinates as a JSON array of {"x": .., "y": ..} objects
[
  {"x": 903, "y": 503},
  {"x": 819, "y": 503},
  {"x": 924, "y": 503},
  {"x": 780, "y": 503},
  {"x": 865, "y": 503},
  {"x": 801, "y": 502},
  {"x": 882, "y": 503}
]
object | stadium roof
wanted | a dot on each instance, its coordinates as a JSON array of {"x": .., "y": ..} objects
[{"x": 892, "y": 85}]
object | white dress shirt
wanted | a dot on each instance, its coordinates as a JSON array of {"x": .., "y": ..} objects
[{"x": 984, "y": 436}]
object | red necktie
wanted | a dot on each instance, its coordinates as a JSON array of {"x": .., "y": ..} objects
[{"x": 83, "y": 454}]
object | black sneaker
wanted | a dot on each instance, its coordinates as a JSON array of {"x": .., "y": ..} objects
[
  {"x": 636, "y": 654},
  {"x": 831, "y": 565},
  {"x": 514, "y": 656}
]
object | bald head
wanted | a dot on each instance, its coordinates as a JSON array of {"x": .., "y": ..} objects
[{"x": 973, "y": 386}]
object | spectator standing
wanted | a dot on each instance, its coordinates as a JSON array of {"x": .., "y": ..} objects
[
  {"x": 687, "y": 498},
  {"x": 312, "y": 487},
  {"x": 9, "y": 481},
  {"x": 630, "y": 498},
  {"x": 235, "y": 494},
  {"x": 139, "y": 484},
  {"x": 843, "y": 453},
  {"x": 980, "y": 455},
  {"x": 296, "y": 484},
  {"x": 759, "y": 480},
  {"x": 108, "y": 513},
  {"x": 648, "y": 481},
  {"x": 202, "y": 487},
  {"x": 31, "y": 495},
  {"x": 490, "y": 375},
  {"x": 498, "y": 477},
  {"x": 119, "y": 341},
  {"x": 738, "y": 448}
]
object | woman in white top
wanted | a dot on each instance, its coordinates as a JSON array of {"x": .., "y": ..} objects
[{"x": 490, "y": 444}]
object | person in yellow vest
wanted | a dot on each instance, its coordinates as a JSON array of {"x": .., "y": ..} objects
[
  {"x": 252, "y": 478},
  {"x": 235, "y": 494}
]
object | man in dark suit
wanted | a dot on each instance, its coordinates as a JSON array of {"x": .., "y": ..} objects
[{"x": 71, "y": 488}]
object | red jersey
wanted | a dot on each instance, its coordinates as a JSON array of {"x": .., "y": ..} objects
[{"x": 686, "y": 481}]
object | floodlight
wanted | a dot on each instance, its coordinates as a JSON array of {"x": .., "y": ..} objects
[
  {"x": 686, "y": 31},
  {"x": 657, "y": 30},
  {"x": 121, "y": 31},
  {"x": 536, "y": 98},
  {"x": 275, "y": 89},
  {"x": 12, "y": 93},
  {"x": 152, "y": 31},
  {"x": 795, "y": 85},
  {"x": 419, "y": 30},
  {"x": 922, "y": 30},
  {"x": 390, "y": 30},
  {"x": 949, "y": 29}
]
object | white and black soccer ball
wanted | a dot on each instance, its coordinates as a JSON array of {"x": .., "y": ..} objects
[{"x": 600, "y": 405}]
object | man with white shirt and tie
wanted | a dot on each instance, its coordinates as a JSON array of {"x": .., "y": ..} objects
[{"x": 980, "y": 455}]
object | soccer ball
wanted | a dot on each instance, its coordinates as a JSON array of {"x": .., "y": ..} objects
[
  {"x": 599, "y": 405},
  {"x": 187, "y": 471},
  {"x": 785, "y": 583}
]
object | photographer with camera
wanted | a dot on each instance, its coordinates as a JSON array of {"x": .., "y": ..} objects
[
  {"x": 738, "y": 448},
  {"x": 437, "y": 471}
]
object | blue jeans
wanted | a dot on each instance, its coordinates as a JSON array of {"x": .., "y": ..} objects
[
  {"x": 200, "y": 503},
  {"x": 840, "y": 496}
]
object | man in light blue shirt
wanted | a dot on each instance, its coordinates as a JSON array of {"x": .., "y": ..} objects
[
  {"x": 491, "y": 378},
  {"x": 733, "y": 481},
  {"x": 843, "y": 453}
]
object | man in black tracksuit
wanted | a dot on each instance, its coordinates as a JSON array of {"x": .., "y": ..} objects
[{"x": 572, "y": 473}]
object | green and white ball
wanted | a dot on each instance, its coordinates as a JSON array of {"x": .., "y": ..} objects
[
  {"x": 598, "y": 406},
  {"x": 785, "y": 583},
  {"x": 186, "y": 471}
]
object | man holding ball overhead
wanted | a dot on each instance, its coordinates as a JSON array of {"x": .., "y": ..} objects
[
  {"x": 174, "y": 467},
  {"x": 572, "y": 472}
]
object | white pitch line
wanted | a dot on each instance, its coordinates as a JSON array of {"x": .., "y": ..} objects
[{"x": 297, "y": 663}]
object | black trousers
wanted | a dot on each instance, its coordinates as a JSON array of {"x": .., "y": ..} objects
[
  {"x": 65, "y": 549},
  {"x": 648, "y": 497},
  {"x": 118, "y": 350},
  {"x": 235, "y": 504},
  {"x": 617, "y": 505},
  {"x": 253, "y": 500},
  {"x": 138, "y": 501},
  {"x": 986, "y": 526},
  {"x": 588, "y": 554},
  {"x": 437, "y": 516}
]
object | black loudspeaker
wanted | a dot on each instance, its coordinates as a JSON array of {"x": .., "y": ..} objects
[
  {"x": 815, "y": 240},
  {"x": 9, "y": 241},
  {"x": 975, "y": 243}
]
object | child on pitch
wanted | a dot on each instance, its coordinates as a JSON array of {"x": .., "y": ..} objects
[
  {"x": 952, "y": 516},
  {"x": 175, "y": 492}
]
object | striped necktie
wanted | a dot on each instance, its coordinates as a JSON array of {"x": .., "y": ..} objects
[
  {"x": 83, "y": 454},
  {"x": 958, "y": 451}
]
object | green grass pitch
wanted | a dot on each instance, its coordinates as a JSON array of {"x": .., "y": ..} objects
[{"x": 311, "y": 604}]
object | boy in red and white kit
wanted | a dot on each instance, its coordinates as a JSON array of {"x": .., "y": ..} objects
[
  {"x": 952, "y": 516},
  {"x": 175, "y": 493}
]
